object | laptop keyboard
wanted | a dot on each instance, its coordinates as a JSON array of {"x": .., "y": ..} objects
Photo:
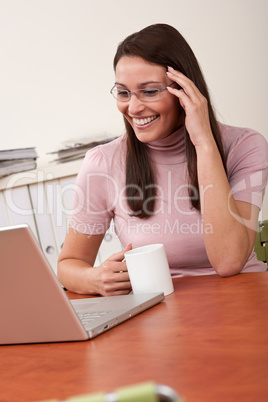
[{"x": 88, "y": 316}]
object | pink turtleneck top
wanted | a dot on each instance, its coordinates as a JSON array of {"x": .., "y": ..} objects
[{"x": 100, "y": 196}]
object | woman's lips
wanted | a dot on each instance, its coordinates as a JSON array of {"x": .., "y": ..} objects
[{"x": 144, "y": 121}]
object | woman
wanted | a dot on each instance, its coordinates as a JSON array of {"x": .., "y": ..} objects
[{"x": 177, "y": 176}]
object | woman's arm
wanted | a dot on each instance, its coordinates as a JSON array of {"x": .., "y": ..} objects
[
  {"x": 233, "y": 223},
  {"x": 76, "y": 271}
]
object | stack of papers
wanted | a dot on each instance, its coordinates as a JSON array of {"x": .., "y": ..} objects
[
  {"x": 72, "y": 150},
  {"x": 17, "y": 160}
]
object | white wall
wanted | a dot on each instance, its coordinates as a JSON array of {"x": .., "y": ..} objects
[{"x": 56, "y": 63}]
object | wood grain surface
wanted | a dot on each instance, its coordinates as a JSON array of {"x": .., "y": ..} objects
[{"x": 208, "y": 340}]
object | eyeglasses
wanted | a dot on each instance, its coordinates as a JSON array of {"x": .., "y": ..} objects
[{"x": 146, "y": 95}]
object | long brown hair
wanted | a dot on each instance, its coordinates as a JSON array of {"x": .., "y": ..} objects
[{"x": 163, "y": 45}]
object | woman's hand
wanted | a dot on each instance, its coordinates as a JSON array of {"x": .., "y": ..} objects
[
  {"x": 77, "y": 273},
  {"x": 195, "y": 107},
  {"x": 112, "y": 277}
]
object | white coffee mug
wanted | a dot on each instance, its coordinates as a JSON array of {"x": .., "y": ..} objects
[{"x": 149, "y": 270}]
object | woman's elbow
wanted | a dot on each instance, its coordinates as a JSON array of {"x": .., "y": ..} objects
[{"x": 229, "y": 267}]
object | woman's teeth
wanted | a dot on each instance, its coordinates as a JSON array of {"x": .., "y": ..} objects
[{"x": 142, "y": 122}]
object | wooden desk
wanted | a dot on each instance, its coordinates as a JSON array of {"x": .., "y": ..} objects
[{"x": 208, "y": 340}]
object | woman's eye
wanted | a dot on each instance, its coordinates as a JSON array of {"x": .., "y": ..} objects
[
  {"x": 150, "y": 92},
  {"x": 122, "y": 94}
]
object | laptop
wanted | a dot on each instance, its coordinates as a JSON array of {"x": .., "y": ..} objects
[{"x": 34, "y": 307}]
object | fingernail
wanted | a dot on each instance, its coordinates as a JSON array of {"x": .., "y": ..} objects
[
  {"x": 170, "y": 68},
  {"x": 170, "y": 74}
]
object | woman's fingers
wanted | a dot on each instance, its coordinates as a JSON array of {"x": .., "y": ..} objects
[
  {"x": 120, "y": 255},
  {"x": 189, "y": 88},
  {"x": 195, "y": 107},
  {"x": 114, "y": 276}
]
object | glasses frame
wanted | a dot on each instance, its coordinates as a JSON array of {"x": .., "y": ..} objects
[{"x": 130, "y": 93}]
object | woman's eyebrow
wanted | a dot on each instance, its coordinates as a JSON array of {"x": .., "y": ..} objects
[
  {"x": 142, "y": 84},
  {"x": 119, "y": 83}
]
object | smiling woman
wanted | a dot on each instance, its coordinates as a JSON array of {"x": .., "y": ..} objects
[
  {"x": 151, "y": 117},
  {"x": 176, "y": 174}
]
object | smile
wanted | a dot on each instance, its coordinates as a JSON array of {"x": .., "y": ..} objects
[{"x": 142, "y": 122}]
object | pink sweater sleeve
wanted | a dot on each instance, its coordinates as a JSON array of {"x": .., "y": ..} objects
[
  {"x": 92, "y": 209},
  {"x": 247, "y": 166}
]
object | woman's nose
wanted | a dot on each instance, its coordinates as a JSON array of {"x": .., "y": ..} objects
[{"x": 135, "y": 104}]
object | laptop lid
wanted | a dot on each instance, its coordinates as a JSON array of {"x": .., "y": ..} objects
[{"x": 34, "y": 307}]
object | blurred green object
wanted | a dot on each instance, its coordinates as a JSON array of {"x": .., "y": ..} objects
[
  {"x": 261, "y": 242},
  {"x": 144, "y": 392}
]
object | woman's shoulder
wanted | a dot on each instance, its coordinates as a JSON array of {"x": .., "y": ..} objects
[
  {"x": 110, "y": 153},
  {"x": 241, "y": 137},
  {"x": 112, "y": 146},
  {"x": 245, "y": 149}
]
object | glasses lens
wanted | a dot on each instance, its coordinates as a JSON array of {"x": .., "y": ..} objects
[
  {"x": 121, "y": 95},
  {"x": 149, "y": 95}
]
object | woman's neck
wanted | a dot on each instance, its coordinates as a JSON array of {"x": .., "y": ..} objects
[{"x": 169, "y": 150}]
